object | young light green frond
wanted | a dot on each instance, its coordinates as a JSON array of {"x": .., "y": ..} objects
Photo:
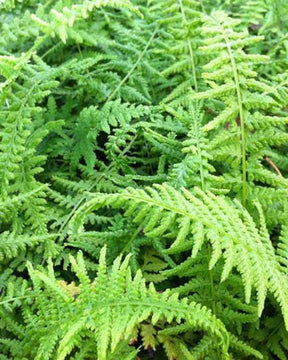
[
  {"x": 231, "y": 77},
  {"x": 107, "y": 319},
  {"x": 60, "y": 21},
  {"x": 93, "y": 120},
  {"x": 229, "y": 229}
]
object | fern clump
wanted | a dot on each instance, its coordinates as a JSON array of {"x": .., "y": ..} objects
[{"x": 143, "y": 180}]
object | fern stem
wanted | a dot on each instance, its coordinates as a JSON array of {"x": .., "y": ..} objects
[
  {"x": 48, "y": 3},
  {"x": 15, "y": 298},
  {"x": 270, "y": 162},
  {"x": 211, "y": 277},
  {"x": 241, "y": 115},
  {"x": 79, "y": 203},
  {"x": 243, "y": 140},
  {"x": 134, "y": 66},
  {"x": 212, "y": 289},
  {"x": 133, "y": 237},
  {"x": 25, "y": 58},
  {"x": 51, "y": 49},
  {"x": 203, "y": 183},
  {"x": 191, "y": 53},
  {"x": 211, "y": 272}
]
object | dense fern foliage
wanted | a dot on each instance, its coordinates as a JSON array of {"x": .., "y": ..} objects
[{"x": 143, "y": 179}]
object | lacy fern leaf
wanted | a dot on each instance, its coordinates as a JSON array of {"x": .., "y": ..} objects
[
  {"x": 228, "y": 227},
  {"x": 104, "y": 311}
]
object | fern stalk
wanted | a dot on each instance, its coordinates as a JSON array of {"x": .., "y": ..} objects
[
  {"x": 241, "y": 114},
  {"x": 191, "y": 53},
  {"x": 140, "y": 57}
]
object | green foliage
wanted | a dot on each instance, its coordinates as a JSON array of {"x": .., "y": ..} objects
[
  {"x": 105, "y": 312},
  {"x": 206, "y": 217},
  {"x": 153, "y": 132}
]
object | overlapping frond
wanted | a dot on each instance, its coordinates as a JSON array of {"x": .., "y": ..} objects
[
  {"x": 104, "y": 311},
  {"x": 228, "y": 227}
]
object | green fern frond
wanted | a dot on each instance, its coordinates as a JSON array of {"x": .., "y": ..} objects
[
  {"x": 229, "y": 229},
  {"x": 113, "y": 298}
]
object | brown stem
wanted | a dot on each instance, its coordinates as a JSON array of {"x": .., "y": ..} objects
[{"x": 270, "y": 162}]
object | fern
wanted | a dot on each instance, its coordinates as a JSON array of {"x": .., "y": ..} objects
[
  {"x": 168, "y": 206},
  {"x": 93, "y": 121},
  {"x": 156, "y": 130},
  {"x": 129, "y": 303}
]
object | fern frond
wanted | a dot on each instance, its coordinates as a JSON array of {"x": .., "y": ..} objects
[
  {"x": 228, "y": 227},
  {"x": 113, "y": 298},
  {"x": 60, "y": 20}
]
